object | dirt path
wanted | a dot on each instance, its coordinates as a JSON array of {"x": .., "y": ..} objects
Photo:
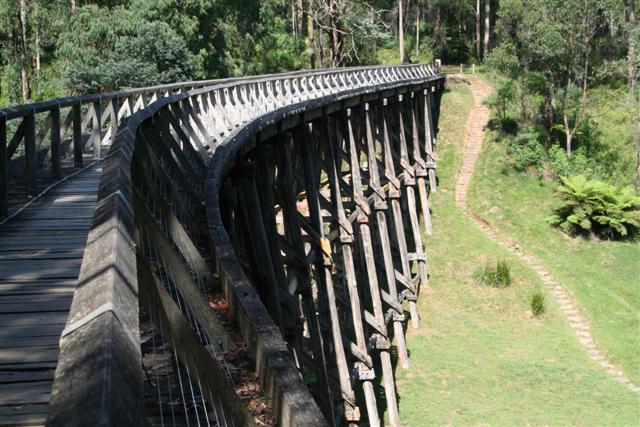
[{"x": 476, "y": 123}]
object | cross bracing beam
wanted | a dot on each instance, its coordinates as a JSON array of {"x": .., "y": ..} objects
[{"x": 300, "y": 195}]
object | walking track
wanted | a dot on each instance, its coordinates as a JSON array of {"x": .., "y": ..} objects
[
  {"x": 476, "y": 124},
  {"x": 41, "y": 250}
]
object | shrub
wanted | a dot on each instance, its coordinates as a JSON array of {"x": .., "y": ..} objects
[
  {"x": 496, "y": 277},
  {"x": 578, "y": 164},
  {"x": 525, "y": 150},
  {"x": 597, "y": 208},
  {"x": 503, "y": 274},
  {"x": 502, "y": 97},
  {"x": 537, "y": 303}
]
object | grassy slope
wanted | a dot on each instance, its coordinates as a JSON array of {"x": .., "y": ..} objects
[
  {"x": 604, "y": 277},
  {"x": 480, "y": 358}
]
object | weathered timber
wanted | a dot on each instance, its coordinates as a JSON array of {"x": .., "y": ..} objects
[{"x": 306, "y": 235}]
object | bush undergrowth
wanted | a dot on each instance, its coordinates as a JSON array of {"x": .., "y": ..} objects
[
  {"x": 496, "y": 277},
  {"x": 537, "y": 303},
  {"x": 597, "y": 208}
]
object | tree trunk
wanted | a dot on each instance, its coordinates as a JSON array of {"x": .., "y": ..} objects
[
  {"x": 321, "y": 43},
  {"x": 638, "y": 148},
  {"x": 417, "y": 30},
  {"x": 24, "y": 74},
  {"x": 632, "y": 45},
  {"x": 36, "y": 27},
  {"x": 487, "y": 28},
  {"x": 73, "y": 7},
  {"x": 311, "y": 36},
  {"x": 401, "y": 30},
  {"x": 294, "y": 25},
  {"x": 299, "y": 18},
  {"x": 437, "y": 28},
  {"x": 11, "y": 81},
  {"x": 335, "y": 43},
  {"x": 321, "y": 60},
  {"x": 478, "y": 32}
]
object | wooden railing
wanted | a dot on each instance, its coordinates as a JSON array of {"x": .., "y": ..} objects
[
  {"x": 37, "y": 137},
  {"x": 150, "y": 220},
  {"x": 315, "y": 207}
]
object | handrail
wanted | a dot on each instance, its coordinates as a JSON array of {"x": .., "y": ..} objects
[
  {"x": 93, "y": 119},
  {"x": 235, "y": 153},
  {"x": 193, "y": 125},
  {"x": 25, "y": 109}
]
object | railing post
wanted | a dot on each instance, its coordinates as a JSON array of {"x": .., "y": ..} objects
[
  {"x": 55, "y": 143},
  {"x": 30, "y": 155},
  {"x": 4, "y": 173},
  {"x": 77, "y": 136},
  {"x": 96, "y": 133},
  {"x": 115, "y": 105}
]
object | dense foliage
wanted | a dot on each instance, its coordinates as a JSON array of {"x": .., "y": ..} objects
[
  {"x": 74, "y": 46},
  {"x": 598, "y": 209},
  {"x": 566, "y": 99},
  {"x": 78, "y": 46}
]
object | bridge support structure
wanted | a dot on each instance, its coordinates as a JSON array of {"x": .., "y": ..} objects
[
  {"x": 320, "y": 209},
  {"x": 300, "y": 197}
]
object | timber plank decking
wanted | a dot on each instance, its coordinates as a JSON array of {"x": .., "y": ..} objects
[{"x": 41, "y": 251}]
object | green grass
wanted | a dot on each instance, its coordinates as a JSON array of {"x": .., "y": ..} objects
[
  {"x": 604, "y": 277},
  {"x": 480, "y": 356}
]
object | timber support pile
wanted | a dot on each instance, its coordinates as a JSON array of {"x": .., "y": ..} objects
[
  {"x": 298, "y": 196},
  {"x": 320, "y": 210}
]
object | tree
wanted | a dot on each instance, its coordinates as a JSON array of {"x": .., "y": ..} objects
[
  {"x": 401, "y": 29},
  {"x": 311, "y": 47},
  {"x": 24, "y": 50},
  {"x": 487, "y": 27},
  {"x": 558, "y": 45},
  {"x": 478, "y": 42},
  {"x": 108, "y": 49},
  {"x": 634, "y": 35}
]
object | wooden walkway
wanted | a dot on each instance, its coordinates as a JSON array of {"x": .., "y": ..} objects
[{"x": 41, "y": 251}]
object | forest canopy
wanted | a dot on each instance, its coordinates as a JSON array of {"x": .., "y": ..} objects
[{"x": 58, "y": 47}]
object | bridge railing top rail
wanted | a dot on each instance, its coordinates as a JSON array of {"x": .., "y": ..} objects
[
  {"x": 178, "y": 117},
  {"x": 13, "y": 112},
  {"x": 38, "y": 135}
]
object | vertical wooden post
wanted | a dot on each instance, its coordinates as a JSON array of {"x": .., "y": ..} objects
[
  {"x": 395, "y": 194},
  {"x": 264, "y": 185},
  {"x": 324, "y": 264},
  {"x": 409, "y": 183},
  {"x": 381, "y": 206},
  {"x": 77, "y": 135},
  {"x": 339, "y": 327},
  {"x": 429, "y": 136},
  {"x": 96, "y": 133},
  {"x": 55, "y": 143},
  {"x": 4, "y": 172},
  {"x": 252, "y": 215},
  {"x": 365, "y": 373},
  {"x": 115, "y": 105},
  {"x": 30, "y": 155},
  {"x": 293, "y": 235},
  {"x": 363, "y": 210},
  {"x": 419, "y": 145}
]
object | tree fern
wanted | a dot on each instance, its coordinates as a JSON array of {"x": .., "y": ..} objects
[{"x": 598, "y": 208}]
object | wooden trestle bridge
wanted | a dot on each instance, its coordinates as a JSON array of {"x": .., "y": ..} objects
[{"x": 149, "y": 235}]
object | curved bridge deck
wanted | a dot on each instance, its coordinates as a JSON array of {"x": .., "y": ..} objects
[
  {"x": 295, "y": 199},
  {"x": 41, "y": 251}
]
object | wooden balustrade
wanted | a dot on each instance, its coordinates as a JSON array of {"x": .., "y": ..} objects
[{"x": 228, "y": 166}]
